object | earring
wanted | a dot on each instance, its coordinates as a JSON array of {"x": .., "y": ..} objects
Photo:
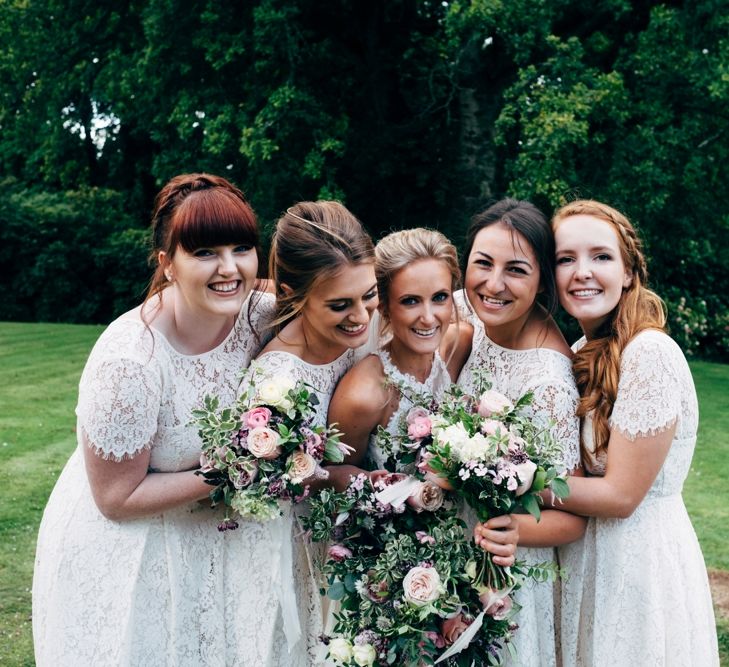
[{"x": 168, "y": 276}]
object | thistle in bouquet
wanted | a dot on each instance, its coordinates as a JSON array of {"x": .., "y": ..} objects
[
  {"x": 405, "y": 575},
  {"x": 265, "y": 450},
  {"x": 496, "y": 458}
]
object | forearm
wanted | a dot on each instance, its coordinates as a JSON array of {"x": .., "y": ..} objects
[
  {"x": 553, "y": 529},
  {"x": 156, "y": 493},
  {"x": 340, "y": 476},
  {"x": 599, "y": 497}
]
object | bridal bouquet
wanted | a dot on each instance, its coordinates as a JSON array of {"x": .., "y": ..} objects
[
  {"x": 493, "y": 456},
  {"x": 263, "y": 450},
  {"x": 406, "y": 577}
]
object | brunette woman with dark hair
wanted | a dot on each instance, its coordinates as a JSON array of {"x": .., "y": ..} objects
[
  {"x": 509, "y": 261},
  {"x": 130, "y": 569}
]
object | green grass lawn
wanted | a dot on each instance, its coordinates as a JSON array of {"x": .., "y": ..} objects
[{"x": 40, "y": 365}]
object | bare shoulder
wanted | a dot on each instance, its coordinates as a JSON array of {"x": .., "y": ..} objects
[{"x": 364, "y": 383}]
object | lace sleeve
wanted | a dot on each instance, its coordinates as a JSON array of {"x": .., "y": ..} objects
[
  {"x": 119, "y": 400},
  {"x": 649, "y": 391},
  {"x": 557, "y": 402}
]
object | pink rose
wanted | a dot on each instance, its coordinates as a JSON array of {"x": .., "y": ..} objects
[
  {"x": 419, "y": 428},
  {"x": 302, "y": 466},
  {"x": 453, "y": 628},
  {"x": 263, "y": 443},
  {"x": 525, "y": 471},
  {"x": 258, "y": 417},
  {"x": 492, "y": 427},
  {"x": 428, "y": 496},
  {"x": 339, "y": 552},
  {"x": 422, "y": 585},
  {"x": 417, "y": 413},
  {"x": 493, "y": 402},
  {"x": 496, "y": 604},
  {"x": 424, "y": 538}
]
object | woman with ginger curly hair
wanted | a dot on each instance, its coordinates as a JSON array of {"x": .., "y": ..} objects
[{"x": 637, "y": 591}]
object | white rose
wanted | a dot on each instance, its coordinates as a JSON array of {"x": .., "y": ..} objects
[
  {"x": 263, "y": 443},
  {"x": 364, "y": 654},
  {"x": 340, "y": 650},
  {"x": 525, "y": 472},
  {"x": 422, "y": 585},
  {"x": 302, "y": 466},
  {"x": 492, "y": 402},
  {"x": 275, "y": 391}
]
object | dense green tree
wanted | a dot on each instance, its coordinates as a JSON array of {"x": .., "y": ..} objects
[{"x": 413, "y": 112}]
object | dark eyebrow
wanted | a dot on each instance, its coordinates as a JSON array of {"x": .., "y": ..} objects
[
  {"x": 511, "y": 261},
  {"x": 346, "y": 299}
]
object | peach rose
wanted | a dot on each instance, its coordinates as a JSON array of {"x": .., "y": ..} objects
[
  {"x": 496, "y": 604},
  {"x": 428, "y": 496},
  {"x": 303, "y": 465},
  {"x": 421, "y": 586},
  {"x": 453, "y": 628},
  {"x": 263, "y": 443}
]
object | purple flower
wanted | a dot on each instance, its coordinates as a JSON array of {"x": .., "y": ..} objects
[{"x": 227, "y": 524}]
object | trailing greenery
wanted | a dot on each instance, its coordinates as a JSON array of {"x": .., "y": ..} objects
[
  {"x": 40, "y": 365},
  {"x": 414, "y": 112}
]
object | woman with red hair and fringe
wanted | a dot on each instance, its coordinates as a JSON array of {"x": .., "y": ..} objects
[{"x": 130, "y": 569}]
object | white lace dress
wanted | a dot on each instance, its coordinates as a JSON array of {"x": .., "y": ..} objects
[
  {"x": 637, "y": 592},
  {"x": 435, "y": 384},
  {"x": 167, "y": 589},
  {"x": 548, "y": 375},
  {"x": 303, "y": 581}
]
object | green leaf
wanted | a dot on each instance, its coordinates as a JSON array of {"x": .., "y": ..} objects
[
  {"x": 531, "y": 505},
  {"x": 336, "y": 591},
  {"x": 560, "y": 488}
]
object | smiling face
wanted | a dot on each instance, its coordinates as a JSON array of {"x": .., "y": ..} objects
[
  {"x": 502, "y": 279},
  {"x": 591, "y": 273},
  {"x": 212, "y": 281},
  {"x": 338, "y": 308},
  {"x": 420, "y": 305}
]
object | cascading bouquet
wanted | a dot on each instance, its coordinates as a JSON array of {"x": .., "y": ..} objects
[
  {"x": 265, "y": 449},
  {"x": 406, "y": 577}
]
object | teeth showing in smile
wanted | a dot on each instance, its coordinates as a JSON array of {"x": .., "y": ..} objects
[
  {"x": 493, "y": 302},
  {"x": 425, "y": 332},
  {"x": 586, "y": 292},
  {"x": 225, "y": 287},
  {"x": 353, "y": 328}
]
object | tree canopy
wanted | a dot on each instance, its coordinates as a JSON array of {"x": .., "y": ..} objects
[{"x": 412, "y": 112}]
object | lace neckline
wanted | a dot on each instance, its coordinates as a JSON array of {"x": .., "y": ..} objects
[
  {"x": 220, "y": 346},
  {"x": 342, "y": 356},
  {"x": 394, "y": 373},
  {"x": 526, "y": 350}
]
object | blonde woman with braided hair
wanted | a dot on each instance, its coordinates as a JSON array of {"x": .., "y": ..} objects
[{"x": 637, "y": 591}]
